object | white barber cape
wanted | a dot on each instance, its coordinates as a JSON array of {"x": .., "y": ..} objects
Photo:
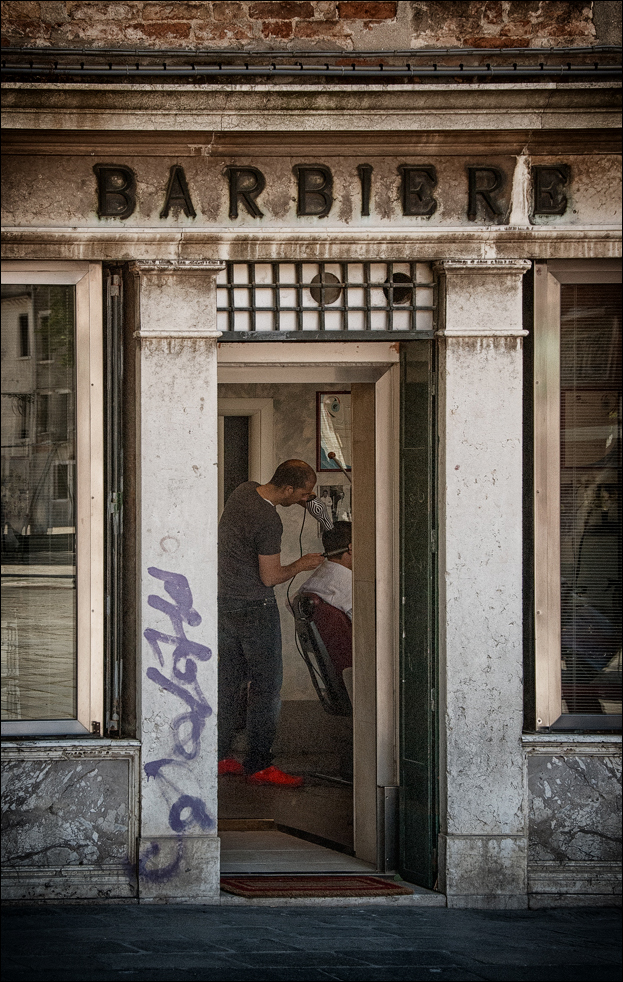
[{"x": 333, "y": 583}]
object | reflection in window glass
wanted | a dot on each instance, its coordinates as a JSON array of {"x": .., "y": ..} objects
[
  {"x": 590, "y": 497},
  {"x": 38, "y": 507},
  {"x": 24, "y": 336}
]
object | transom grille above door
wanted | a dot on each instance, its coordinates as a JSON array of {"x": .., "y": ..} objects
[{"x": 266, "y": 300}]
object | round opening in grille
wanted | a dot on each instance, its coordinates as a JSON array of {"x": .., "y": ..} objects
[
  {"x": 401, "y": 294},
  {"x": 325, "y": 288}
]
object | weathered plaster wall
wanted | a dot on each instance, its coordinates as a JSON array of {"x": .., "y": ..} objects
[
  {"x": 178, "y": 493},
  {"x": 483, "y": 840},
  {"x": 294, "y": 431},
  {"x": 332, "y": 24},
  {"x": 69, "y": 819}
]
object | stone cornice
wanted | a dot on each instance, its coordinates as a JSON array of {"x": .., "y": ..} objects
[
  {"x": 321, "y": 108},
  {"x": 592, "y": 744},
  {"x": 480, "y": 266},
  {"x": 178, "y": 336},
  {"x": 141, "y": 244},
  {"x": 184, "y": 322},
  {"x": 176, "y": 266},
  {"x": 465, "y": 322}
]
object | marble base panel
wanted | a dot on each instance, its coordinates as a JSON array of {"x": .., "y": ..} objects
[
  {"x": 69, "y": 820},
  {"x": 583, "y": 879},
  {"x": 56, "y": 884}
]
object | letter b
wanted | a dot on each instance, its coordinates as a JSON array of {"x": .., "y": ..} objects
[
  {"x": 116, "y": 190},
  {"x": 315, "y": 193}
]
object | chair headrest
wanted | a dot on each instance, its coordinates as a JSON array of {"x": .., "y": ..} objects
[{"x": 306, "y": 604}]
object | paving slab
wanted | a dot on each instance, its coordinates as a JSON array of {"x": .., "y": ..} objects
[{"x": 174, "y": 943}]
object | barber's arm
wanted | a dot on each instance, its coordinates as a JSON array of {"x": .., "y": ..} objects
[{"x": 272, "y": 572}]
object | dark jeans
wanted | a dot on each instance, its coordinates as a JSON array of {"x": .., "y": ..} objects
[{"x": 249, "y": 639}]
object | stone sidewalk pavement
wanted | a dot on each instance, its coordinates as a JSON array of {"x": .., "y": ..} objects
[{"x": 171, "y": 943}]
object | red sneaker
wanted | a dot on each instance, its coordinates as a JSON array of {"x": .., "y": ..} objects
[
  {"x": 272, "y": 775},
  {"x": 230, "y": 766}
]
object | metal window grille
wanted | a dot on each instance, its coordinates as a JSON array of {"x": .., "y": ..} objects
[{"x": 325, "y": 298}]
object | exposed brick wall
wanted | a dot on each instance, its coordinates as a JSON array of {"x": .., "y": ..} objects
[
  {"x": 333, "y": 24},
  {"x": 499, "y": 24}
]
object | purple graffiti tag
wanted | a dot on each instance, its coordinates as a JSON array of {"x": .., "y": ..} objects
[
  {"x": 177, "y": 587},
  {"x": 160, "y": 874},
  {"x": 152, "y": 767},
  {"x": 198, "y": 814},
  {"x": 187, "y": 728},
  {"x": 187, "y": 745},
  {"x": 199, "y": 706}
]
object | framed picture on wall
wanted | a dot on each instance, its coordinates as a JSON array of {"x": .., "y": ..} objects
[
  {"x": 333, "y": 429},
  {"x": 337, "y": 500}
]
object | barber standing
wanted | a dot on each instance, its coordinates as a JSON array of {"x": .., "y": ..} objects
[{"x": 249, "y": 637}]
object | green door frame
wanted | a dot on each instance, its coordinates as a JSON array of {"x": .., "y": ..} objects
[{"x": 418, "y": 697}]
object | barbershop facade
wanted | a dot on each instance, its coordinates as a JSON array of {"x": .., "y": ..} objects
[{"x": 448, "y": 253}]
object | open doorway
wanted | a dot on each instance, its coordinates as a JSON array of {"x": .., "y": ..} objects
[
  {"x": 355, "y": 817},
  {"x": 261, "y": 424}
]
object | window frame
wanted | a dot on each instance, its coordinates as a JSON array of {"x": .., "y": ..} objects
[
  {"x": 89, "y": 518},
  {"x": 549, "y": 277}
]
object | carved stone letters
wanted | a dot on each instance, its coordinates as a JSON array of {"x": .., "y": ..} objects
[
  {"x": 315, "y": 186},
  {"x": 116, "y": 190},
  {"x": 417, "y": 190},
  {"x": 245, "y": 184},
  {"x": 487, "y": 191},
  {"x": 549, "y": 183},
  {"x": 177, "y": 194},
  {"x": 484, "y": 196},
  {"x": 365, "y": 176}
]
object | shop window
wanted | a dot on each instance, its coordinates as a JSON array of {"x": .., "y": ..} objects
[
  {"x": 61, "y": 421},
  {"x": 52, "y": 507},
  {"x": 62, "y": 482},
  {"x": 22, "y": 415},
  {"x": 24, "y": 336},
  {"x": 43, "y": 412},
  {"x": 577, "y": 420},
  {"x": 44, "y": 339}
]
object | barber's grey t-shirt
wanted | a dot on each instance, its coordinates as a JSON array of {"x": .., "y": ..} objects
[{"x": 249, "y": 527}]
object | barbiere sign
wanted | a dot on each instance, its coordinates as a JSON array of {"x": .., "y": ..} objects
[
  {"x": 418, "y": 189},
  {"x": 202, "y": 186}
]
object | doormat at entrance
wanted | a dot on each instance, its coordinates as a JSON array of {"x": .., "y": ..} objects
[{"x": 311, "y": 886}]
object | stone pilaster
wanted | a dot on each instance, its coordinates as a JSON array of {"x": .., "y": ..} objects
[
  {"x": 483, "y": 842},
  {"x": 177, "y": 527}
]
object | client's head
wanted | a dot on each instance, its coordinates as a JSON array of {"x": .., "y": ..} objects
[{"x": 337, "y": 544}]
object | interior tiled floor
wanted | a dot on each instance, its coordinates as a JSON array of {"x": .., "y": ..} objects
[
  {"x": 275, "y": 852},
  {"x": 313, "y": 744},
  {"x": 321, "y": 808}
]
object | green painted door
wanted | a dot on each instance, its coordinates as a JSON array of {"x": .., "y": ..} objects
[{"x": 418, "y": 685}]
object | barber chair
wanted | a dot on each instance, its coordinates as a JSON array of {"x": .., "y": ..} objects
[{"x": 325, "y": 639}]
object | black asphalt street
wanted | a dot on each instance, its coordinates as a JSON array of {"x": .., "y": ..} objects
[{"x": 85, "y": 943}]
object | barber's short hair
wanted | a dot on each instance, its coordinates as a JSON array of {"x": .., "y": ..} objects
[
  {"x": 338, "y": 538},
  {"x": 293, "y": 474}
]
